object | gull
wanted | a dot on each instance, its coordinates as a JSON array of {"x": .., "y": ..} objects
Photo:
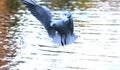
[{"x": 61, "y": 31}]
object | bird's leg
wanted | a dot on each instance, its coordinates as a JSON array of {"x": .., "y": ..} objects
[
  {"x": 62, "y": 41},
  {"x": 65, "y": 39}
]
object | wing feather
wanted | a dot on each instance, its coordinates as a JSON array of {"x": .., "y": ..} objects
[{"x": 42, "y": 14}]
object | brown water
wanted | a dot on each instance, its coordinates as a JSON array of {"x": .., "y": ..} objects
[{"x": 25, "y": 44}]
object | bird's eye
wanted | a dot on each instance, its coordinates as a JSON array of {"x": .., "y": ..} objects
[
  {"x": 53, "y": 24},
  {"x": 65, "y": 14}
]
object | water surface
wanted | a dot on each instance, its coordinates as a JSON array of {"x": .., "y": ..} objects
[{"x": 26, "y": 45}]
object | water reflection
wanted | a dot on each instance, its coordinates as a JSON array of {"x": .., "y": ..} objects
[
  {"x": 26, "y": 46},
  {"x": 69, "y": 4},
  {"x": 7, "y": 21},
  {"x": 82, "y": 4}
]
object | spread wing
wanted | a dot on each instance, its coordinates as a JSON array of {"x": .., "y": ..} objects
[
  {"x": 42, "y": 14},
  {"x": 70, "y": 21}
]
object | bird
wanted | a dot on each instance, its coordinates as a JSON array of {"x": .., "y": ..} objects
[{"x": 61, "y": 30}]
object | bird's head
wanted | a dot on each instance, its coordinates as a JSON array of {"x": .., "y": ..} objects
[
  {"x": 57, "y": 23},
  {"x": 53, "y": 24},
  {"x": 68, "y": 14}
]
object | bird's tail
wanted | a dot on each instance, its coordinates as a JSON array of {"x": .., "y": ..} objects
[{"x": 68, "y": 40}]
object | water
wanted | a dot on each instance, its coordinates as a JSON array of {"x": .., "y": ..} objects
[{"x": 27, "y": 46}]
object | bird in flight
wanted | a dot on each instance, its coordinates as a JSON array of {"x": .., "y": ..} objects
[{"x": 61, "y": 31}]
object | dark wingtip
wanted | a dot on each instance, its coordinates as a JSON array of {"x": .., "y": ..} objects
[
  {"x": 24, "y": 1},
  {"x": 29, "y": 1}
]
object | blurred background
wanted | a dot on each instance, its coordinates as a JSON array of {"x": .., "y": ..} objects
[{"x": 25, "y": 45}]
